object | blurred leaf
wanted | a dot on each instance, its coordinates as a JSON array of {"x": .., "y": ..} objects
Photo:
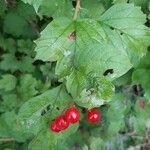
[
  {"x": 9, "y": 62},
  {"x": 9, "y": 102},
  {"x": 116, "y": 114},
  {"x": 119, "y": 1},
  {"x": 27, "y": 87},
  {"x": 141, "y": 117},
  {"x": 11, "y": 128},
  {"x": 8, "y": 82},
  {"x": 56, "y": 8},
  {"x": 2, "y": 7},
  {"x": 142, "y": 3},
  {"x": 36, "y": 4},
  {"x": 25, "y": 46},
  {"x": 26, "y": 64},
  {"x": 88, "y": 11},
  {"x": 26, "y": 11},
  {"x": 17, "y": 26},
  {"x": 96, "y": 143},
  {"x": 142, "y": 76}
]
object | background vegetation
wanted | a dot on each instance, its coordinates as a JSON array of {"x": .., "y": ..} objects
[{"x": 39, "y": 80}]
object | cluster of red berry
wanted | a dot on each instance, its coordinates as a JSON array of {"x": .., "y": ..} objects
[{"x": 71, "y": 116}]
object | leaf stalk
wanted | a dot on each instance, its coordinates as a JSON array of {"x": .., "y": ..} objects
[{"x": 77, "y": 8}]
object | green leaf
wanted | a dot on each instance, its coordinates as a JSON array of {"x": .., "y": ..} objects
[
  {"x": 8, "y": 82},
  {"x": 96, "y": 143},
  {"x": 141, "y": 74},
  {"x": 76, "y": 82},
  {"x": 36, "y": 4},
  {"x": 25, "y": 11},
  {"x": 124, "y": 80},
  {"x": 124, "y": 18},
  {"x": 141, "y": 117},
  {"x": 115, "y": 114},
  {"x": 26, "y": 46},
  {"x": 88, "y": 11},
  {"x": 27, "y": 87},
  {"x": 10, "y": 45},
  {"x": 53, "y": 8},
  {"x": 144, "y": 62},
  {"x": 9, "y": 62},
  {"x": 119, "y": 1},
  {"x": 51, "y": 139},
  {"x": 26, "y": 64},
  {"x": 54, "y": 42},
  {"x": 92, "y": 94},
  {"x": 17, "y": 26},
  {"x": 30, "y": 113},
  {"x": 53, "y": 39},
  {"x": 10, "y": 127},
  {"x": 142, "y": 3},
  {"x": 109, "y": 43},
  {"x": 9, "y": 102},
  {"x": 119, "y": 16},
  {"x": 2, "y": 7},
  {"x": 56, "y": 8}
]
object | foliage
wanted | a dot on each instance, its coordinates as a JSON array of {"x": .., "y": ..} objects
[{"x": 55, "y": 54}]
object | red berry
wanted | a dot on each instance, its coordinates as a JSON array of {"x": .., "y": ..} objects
[
  {"x": 61, "y": 122},
  {"x": 141, "y": 103},
  {"x": 72, "y": 115},
  {"x": 93, "y": 115},
  {"x": 53, "y": 127}
]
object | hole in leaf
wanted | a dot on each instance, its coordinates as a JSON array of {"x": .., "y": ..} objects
[
  {"x": 149, "y": 48},
  {"x": 108, "y": 71},
  {"x": 112, "y": 28},
  {"x": 121, "y": 33},
  {"x": 44, "y": 21},
  {"x": 37, "y": 62},
  {"x": 128, "y": 1},
  {"x": 43, "y": 112},
  {"x": 48, "y": 107},
  {"x": 57, "y": 108},
  {"x": 147, "y": 23}
]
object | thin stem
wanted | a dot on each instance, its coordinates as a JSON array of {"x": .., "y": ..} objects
[
  {"x": 6, "y": 139},
  {"x": 76, "y": 9}
]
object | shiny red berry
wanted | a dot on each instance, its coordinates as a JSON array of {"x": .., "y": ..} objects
[
  {"x": 72, "y": 115},
  {"x": 61, "y": 122},
  {"x": 93, "y": 116},
  {"x": 53, "y": 127}
]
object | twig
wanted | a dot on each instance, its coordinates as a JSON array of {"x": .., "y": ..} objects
[
  {"x": 6, "y": 139},
  {"x": 134, "y": 135},
  {"x": 146, "y": 144},
  {"x": 76, "y": 9}
]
